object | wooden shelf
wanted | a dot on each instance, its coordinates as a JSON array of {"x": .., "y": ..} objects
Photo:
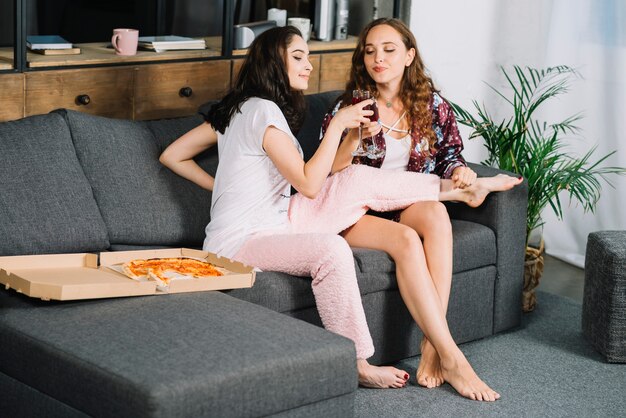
[
  {"x": 6, "y": 58},
  {"x": 98, "y": 53},
  {"x": 319, "y": 46}
]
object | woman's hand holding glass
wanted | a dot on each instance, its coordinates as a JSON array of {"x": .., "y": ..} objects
[
  {"x": 373, "y": 127},
  {"x": 354, "y": 116},
  {"x": 369, "y": 128}
]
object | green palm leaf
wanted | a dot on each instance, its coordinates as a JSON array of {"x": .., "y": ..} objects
[{"x": 537, "y": 149}]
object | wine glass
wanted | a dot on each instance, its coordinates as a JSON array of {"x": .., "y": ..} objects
[
  {"x": 373, "y": 151},
  {"x": 357, "y": 97}
]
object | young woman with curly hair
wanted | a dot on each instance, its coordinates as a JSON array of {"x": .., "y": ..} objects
[{"x": 418, "y": 130}]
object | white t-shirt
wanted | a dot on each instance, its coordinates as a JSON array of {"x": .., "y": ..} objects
[
  {"x": 397, "y": 153},
  {"x": 249, "y": 194}
]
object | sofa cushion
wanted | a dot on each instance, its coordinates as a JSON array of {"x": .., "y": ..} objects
[
  {"x": 279, "y": 292},
  {"x": 194, "y": 354},
  {"x": 474, "y": 247},
  {"x": 46, "y": 204},
  {"x": 317, "y": 106},
  {"x": 142, "y": 202}
]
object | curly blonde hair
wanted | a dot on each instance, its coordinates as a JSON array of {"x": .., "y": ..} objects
[{"x": 417, "y": 87}]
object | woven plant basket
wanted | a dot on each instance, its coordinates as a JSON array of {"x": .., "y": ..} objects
[{"x": 533, "y": 270}]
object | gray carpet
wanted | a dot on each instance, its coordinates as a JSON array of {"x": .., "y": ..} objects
[{"x": 545, "y": 368}]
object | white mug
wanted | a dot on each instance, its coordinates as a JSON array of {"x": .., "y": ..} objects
[
  {"x": 303, "y": 24},
  {"x": 277, "y": 15}
]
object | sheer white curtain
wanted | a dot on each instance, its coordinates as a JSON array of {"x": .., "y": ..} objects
[{"x": 465, "y": 43}]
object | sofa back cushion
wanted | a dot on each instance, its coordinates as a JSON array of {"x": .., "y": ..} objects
[
  {"x": 142, "y": 202},
  {"x": 317, "y": 106},
  {"x": 46, "y": 204}
]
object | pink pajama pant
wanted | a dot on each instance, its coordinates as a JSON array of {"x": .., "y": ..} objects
[
  {"x": 313, "y": 247},
  {"x": 328, "y": 259}
]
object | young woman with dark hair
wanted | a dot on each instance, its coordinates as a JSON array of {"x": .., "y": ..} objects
[{"x": 253, "y": 217}]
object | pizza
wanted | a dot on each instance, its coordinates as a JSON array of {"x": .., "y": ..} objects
[{"x": 156, "y": 268}]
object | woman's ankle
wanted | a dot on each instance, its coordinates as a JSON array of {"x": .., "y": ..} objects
[{"x": 451, "y": 358}]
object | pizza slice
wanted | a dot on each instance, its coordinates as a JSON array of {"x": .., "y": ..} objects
[{"x": 156, "y": 268}]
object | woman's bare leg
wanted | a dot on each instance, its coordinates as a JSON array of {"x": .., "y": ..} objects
[
  {"x": 346, "y": 196},
  {"x": 432, "y": 223},
  {"x": 421, "y": 298}
]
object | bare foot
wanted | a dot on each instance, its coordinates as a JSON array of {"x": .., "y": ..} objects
[
  {"x": 429, "y": 372},
  {"x": 380, "y": 377},
  {"x": 462, "y": 377},
  {"x": 475, "y": 194}
]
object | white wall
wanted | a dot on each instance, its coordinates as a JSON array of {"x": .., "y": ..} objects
[
  {"x": 463, "y": 46},
  {"x": 464, "y": 43}
]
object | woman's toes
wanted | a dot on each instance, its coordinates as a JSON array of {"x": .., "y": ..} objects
[
  {"x": 400, "y": 383},
  {"x": 401, "y": 374}
]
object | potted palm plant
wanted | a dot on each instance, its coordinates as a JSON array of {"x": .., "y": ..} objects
[{"x": 537, "y": 150}]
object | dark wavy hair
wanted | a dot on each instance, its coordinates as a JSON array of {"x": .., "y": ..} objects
[
  {"x": 264, "y": 75},
  {"x": 417, "y": 87}
]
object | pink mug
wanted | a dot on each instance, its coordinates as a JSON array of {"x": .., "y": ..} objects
[{"x": 125, "y": 41}]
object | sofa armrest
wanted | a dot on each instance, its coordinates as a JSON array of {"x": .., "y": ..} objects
[{"x": 505, "y": 214}]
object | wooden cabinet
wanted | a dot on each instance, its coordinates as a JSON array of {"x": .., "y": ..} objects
[
  {"x": 142, "y": 92},
  {"x": 148, "y": 85},
  {"x": 98, "y": 91},
  {"x": 335, "y": 71},
  {"x": 138, "y": 92},
  {"x": 11, "y": 96},
  {"x": 147, "y": 90},
  {"x": 170, "y": 90}
]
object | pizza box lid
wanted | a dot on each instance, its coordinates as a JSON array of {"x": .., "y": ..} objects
[
  {"x": 81, "y": 276},
  {"x": 67, "y": 277}
]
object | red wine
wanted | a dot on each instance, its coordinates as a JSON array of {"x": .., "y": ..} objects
[{"x": 374, "y": 117}]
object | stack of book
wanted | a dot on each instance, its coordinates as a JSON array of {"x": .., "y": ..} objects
[
  {"x": 50, "y": 45},
  {"x": 170, "y": 43}
]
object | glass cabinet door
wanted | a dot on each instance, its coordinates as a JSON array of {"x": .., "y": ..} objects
[{"x": 88, "y": 25}]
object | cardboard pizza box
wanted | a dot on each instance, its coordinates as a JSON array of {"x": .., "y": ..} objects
[
  {"x": 67, "y": 277},
  {"x": 81, "y": 276}
]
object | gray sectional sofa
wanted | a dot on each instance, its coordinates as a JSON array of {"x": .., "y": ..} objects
[{"x": 71, "y": 182}]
